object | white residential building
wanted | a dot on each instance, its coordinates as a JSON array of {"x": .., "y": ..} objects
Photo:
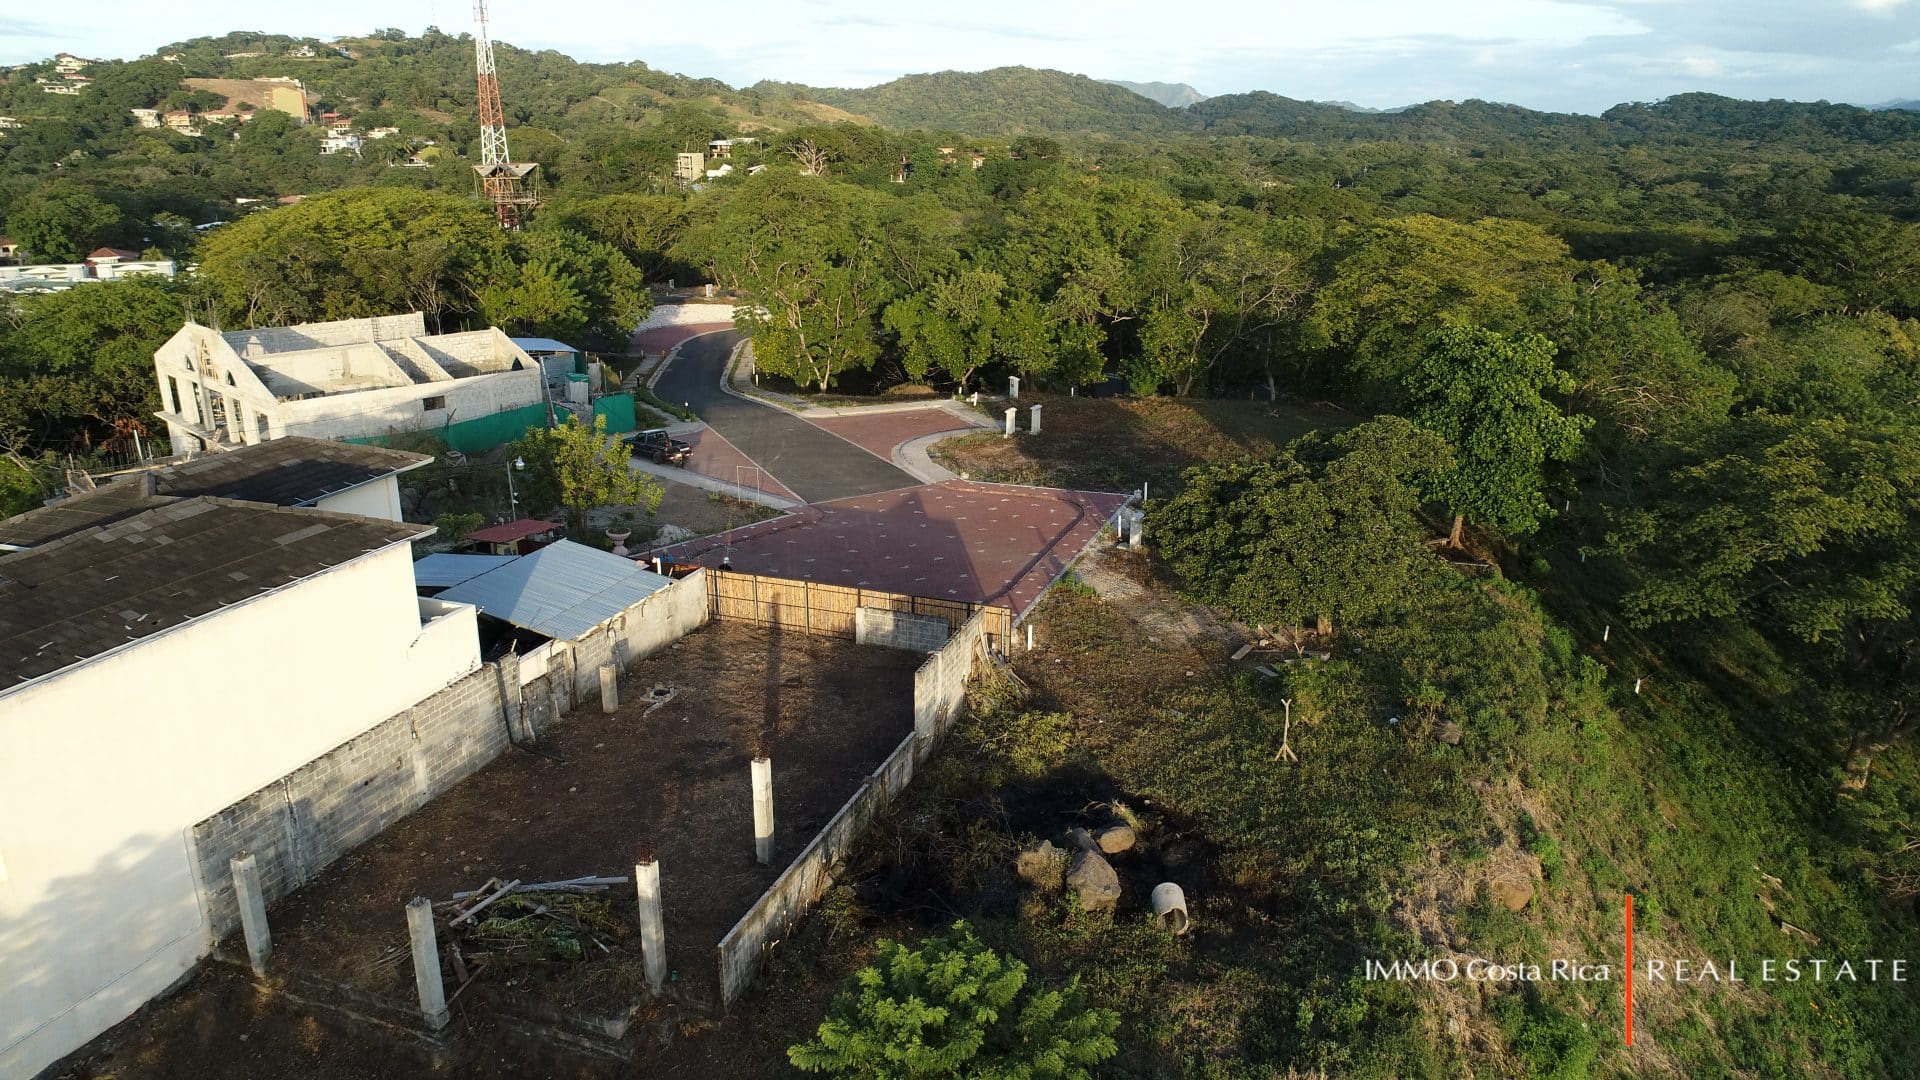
[
  {"x": 155, "y": 669},
  {"x": 340, "y": 142},
  {"x": 358, "y": 378}
]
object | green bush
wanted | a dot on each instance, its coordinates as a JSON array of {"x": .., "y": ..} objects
[
  {"x": 1552, "y": 1044},
  {"x": 956, "y": 1008}
]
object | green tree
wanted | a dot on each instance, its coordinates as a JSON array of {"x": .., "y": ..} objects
[
  {"x": 1485, "y": 394},
  {"x": 61, "y": 221},
  {"x": 1804, "y": 524},
  {"x": 808, "y": 254},
  {"x": 77, "y": 366},
  {"x": 1393, "y": 282},
  {"x": 956, "y": 1008},
  {"x": 582, "y": 468},
  {"x": 1328, "y": 531}
]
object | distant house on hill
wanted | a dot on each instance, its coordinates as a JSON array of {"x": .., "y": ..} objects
[
  {"x": 9, "y": 248},
  {"x": 69, "y": 64}
]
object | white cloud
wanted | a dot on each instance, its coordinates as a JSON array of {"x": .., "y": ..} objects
[{"x": 1878, "y": 6}]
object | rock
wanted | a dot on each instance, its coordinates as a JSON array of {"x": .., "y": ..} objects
[
  {"x": 671, "y": 534},
  {"x": 1447, "y": 732},
  {"x": 1115, "y": 839},
  {"x": 1043, "y": 867},
  {"x": 1093, "y": 880},
  {"x": 1513, "y": 892}
]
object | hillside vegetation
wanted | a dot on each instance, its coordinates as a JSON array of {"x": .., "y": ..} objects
[{"x": 1585, "y": 450}]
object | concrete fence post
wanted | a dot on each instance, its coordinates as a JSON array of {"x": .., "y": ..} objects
[
  {"x": 426, "y": 962},
  {"x": 762, "y": 769},
  {"x": 1136, "y": 524},
  {"x": 1033, "y": 423},
  {"x": 653, "y": 928},
  {"x": 609, "y": 689},
  {"x": 1013, "y": 387},
  {"x": 253, "y": 911},
  {"x": 1011, "y": 413}
]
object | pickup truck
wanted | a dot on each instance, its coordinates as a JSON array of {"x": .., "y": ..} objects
[{"x": 661, "y": 448}]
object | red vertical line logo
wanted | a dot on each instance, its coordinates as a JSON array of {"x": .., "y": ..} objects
[{"x": 1629, "y": 969}]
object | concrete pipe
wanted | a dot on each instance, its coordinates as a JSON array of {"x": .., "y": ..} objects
[{"x": 1170, "y": 908}]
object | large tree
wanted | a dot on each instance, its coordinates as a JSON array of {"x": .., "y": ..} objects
[
  {"x": 1486, "y": 395},
  {"x": 1328, "y": 531},
  {"x": 808, "y": 254},
  {"x": 76, "y": 367},
  {"x": 61, "y": 221}
]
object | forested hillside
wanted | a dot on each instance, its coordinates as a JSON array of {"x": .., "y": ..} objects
[{"x": 1616, "y": 561}]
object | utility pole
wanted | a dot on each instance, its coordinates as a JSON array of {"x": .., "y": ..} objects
[{"x": 501, "y": 179}]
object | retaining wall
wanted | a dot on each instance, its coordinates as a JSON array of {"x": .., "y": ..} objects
[
  {"x": 939, "y": 688},
  {"x": 899, "y": 630}
]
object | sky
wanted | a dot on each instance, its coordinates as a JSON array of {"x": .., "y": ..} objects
[{"x": 1570, "y": 55}]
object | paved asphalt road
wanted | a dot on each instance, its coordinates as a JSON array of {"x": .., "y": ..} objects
[{"x": 817, "y": 465}]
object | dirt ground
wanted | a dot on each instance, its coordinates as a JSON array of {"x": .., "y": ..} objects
[
  {"x": 674, "y": 778},
  {"x": 697, "y": 510},
  {"x": 1114, "y": 444}
]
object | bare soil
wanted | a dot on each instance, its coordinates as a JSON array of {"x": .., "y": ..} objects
[
  {"x": 1113, "y": 444},
  {"x": 673, "y": 779}
]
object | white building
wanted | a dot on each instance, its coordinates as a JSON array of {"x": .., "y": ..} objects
[
  {"x": 358, "y": 378},
  {"x": 340, "y": 142},
  {"x": 155, "y": 669},
  {"x": 51, "y": 277}
]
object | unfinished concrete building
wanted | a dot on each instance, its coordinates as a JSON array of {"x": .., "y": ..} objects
[{"x": 355, "y": 379}]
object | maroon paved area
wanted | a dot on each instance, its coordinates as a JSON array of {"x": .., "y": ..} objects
[
  {"x": 661, "y": 338},
  {"x": 881, "y": 432},
  {"x": 713, "y": 456},
  {"x": 958, "y": 540}
]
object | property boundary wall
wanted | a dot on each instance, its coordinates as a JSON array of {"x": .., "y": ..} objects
[
  {"x": 299, "y": 824},
  {"x": 832, "y": 610},
  {"x": 939, "y": 689}
]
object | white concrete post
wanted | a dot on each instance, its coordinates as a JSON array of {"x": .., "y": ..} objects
[
  {"x": 1033, "y": 425},
  {"x": 1013, "y": 387},
  {"x": 1136, "y": 523},
  {"x": 1029, "y": 637},
  {"x": 609, "y": 689},
  {"x": 426, "y": 962},
  {"x": 975, "y": 399},
  {"x": 763, "y": 810},
  {"x": 1011, "y": 413},
  {"x": 653, "y": 931},
  {"x": 253, "y": 911}
]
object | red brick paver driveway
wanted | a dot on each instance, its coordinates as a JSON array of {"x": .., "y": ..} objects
[
  {"x": 957, "y": 540},
  {"x": 882, "y": 432}
]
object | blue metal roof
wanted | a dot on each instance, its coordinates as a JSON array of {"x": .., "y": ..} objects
[
  {"x": 443, "y": 570},
  {"x": 562, "y": 590}
]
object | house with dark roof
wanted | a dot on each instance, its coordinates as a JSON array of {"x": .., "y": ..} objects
[
  {"x": 341, "y": 478},
  {"x": 160, "y": 663}
]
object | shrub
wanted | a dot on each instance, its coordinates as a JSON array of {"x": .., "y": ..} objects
[{"x": 956, "y": 1008}]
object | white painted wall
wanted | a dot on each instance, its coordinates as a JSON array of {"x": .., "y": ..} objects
[
  {"x": 379, "y": 498},
  {"x": 377, "y": 412},
  {"x": 686, "y": 315},
  {"x": 108, "y": 766}
]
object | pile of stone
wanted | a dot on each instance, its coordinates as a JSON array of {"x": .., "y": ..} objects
[{"x": 1081, "y": 866}]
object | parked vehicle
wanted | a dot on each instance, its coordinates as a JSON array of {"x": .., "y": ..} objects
[{"x": 661, "y": 448}]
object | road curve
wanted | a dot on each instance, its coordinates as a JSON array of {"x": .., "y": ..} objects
[{"x": 813, "y": 463}]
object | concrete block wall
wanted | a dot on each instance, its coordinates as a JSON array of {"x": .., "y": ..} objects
[
  {"x": 299, "y": 824},
  {"x": 642, "y": 630},
  {"x": 899, "y": 629},
  {"x": 805, "y": 879},
  {"x": 940, "y": 685}
]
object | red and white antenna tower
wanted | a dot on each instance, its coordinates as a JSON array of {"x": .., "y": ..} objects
[{"x": 501, "y": 179}]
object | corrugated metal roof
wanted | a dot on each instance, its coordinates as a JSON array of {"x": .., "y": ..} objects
[
  {"x": 542, "y": 344},
  {"x": 442, "y": 570},
  {"x": 563, "y": 590}
]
